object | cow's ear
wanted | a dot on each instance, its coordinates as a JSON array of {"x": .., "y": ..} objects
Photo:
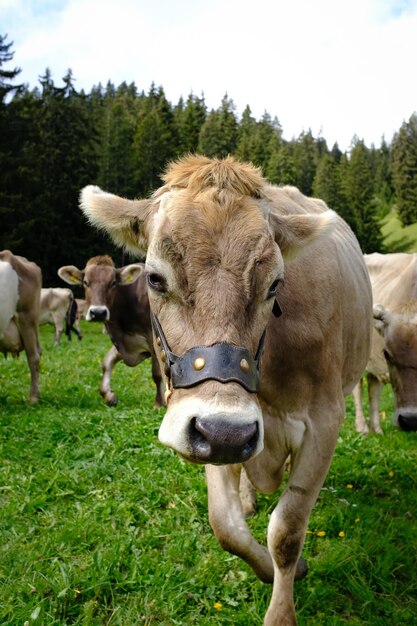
[
  {"x": 126, "y": 221},
  {"x": 71, "y": 274},
  {"x": 382, "y": 318},
  {"x": 294, "y": 232},
  {"x": 129, "y": 273}
]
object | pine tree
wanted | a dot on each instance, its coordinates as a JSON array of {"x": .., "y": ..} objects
[
  {"x": 360, "y": 196},
  {"x": 218, "y": 136},
  {"x": 6, "y": 76},
  {"x": 404, "y": 162}
]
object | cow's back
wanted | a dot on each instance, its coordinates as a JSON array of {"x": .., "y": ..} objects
[{"x": 393, "y": 277}]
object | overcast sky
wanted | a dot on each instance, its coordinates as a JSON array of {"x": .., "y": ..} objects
[{"x": 338, "y": 67}]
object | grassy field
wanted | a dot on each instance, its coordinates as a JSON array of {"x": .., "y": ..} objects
[
  {"x": 102, "y": 526},
  {"x": 398, "y": 238}
]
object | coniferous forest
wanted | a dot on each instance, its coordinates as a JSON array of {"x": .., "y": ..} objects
[{"x": 55, "y": 140}]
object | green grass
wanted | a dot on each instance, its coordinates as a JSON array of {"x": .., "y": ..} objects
[
  {"x": 101, "y": 525},
  {"x": 398, "y": 238}
]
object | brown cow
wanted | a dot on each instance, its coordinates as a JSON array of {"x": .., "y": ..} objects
[
  {"x": 220, "y": 242},
  {"x": 20, "y": 289},
  {"x": 118, "y": 297},
  {"x": 394, "y": 343}
]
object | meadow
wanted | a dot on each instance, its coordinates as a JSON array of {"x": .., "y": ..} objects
[{"x": 102, "y": 526}]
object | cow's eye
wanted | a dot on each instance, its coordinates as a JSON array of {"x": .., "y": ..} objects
[
  {"x": 156, "y": 282},
  {"x": 85, "y": 282},
  {"x": 272, "y": 291}
]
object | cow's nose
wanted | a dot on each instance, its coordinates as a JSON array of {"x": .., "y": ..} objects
[
  {"x": 218, "y": 441},
  {"x": 407, "y": 422},
  {"x": 97, "y": 314}
]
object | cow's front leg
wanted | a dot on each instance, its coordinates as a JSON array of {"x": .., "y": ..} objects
[
  {"x": 157, "y": 378},
  {"x": 288, "y": 523},
  {"x": 360, "y": 423},
  {"x": 374, "y": 392},
  {"x": 112, "y": 357},
  {"x": 227, "y": 520}
]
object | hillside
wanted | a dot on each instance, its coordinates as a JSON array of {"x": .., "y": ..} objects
[{"x": 398, "y": 238}]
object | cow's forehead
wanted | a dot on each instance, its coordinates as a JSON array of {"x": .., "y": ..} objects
[
  {"x": 202, "y": 227},
  {"x": 100, "y": 273}
]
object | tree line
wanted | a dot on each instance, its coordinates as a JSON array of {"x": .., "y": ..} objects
[{"x": 55, "y": 140}]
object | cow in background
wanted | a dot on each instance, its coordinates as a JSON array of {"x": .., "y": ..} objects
[
  {"x": 394, "y": 341},
  {"x": 56, "y": 303},
  {"x": 118, "y": 297},
  {"x": 20, "y": 290},
  {"x": 247, "y": 387}
]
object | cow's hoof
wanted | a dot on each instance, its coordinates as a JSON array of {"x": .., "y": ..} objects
[
  {"x": 302, "y": 569},
  {"x": 111, "y": 399}
]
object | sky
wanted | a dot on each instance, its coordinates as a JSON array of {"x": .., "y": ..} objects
[{"x": 340, "y": 68}]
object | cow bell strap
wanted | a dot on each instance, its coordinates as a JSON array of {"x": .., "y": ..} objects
[{"x": 222, "y": 361}]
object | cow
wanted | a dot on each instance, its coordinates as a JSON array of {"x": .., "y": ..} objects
[
  {"x": 394, "y": 341},
  {"x": 118, "y": 297},
  {"x": 20, "y": 289},
  {"x": 55, "y": 304},
  {"x": 247, "y": 387}
]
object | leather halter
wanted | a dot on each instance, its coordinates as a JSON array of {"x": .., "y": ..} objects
[{"x": 221, "y": 361}]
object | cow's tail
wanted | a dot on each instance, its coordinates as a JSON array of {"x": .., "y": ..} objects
[{"x": 70, "y": 316}]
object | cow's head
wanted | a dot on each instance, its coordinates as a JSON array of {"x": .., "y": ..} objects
[
  {"x": 99, "y": 279},
  {"x": 398, "y": 328},
  {"x": 214, "y": 263}
]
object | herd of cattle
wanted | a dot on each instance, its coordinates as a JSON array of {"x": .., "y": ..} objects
[{"x": 255, "y": 307}]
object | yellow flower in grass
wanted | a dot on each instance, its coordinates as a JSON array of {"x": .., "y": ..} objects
[
  {"x": 321, "y": 533},
  {"x": 357, "y": 519},
  {"x": 391, "y": 474},
  {"x": 349, "y": 486},
  {"x": 217, "y": 606},
  {"x": 342, "y": 533}
]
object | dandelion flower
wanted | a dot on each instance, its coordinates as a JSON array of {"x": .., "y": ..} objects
[
  {"x": 349, "y": 486},
  {"x": 357, "y": 519},
  {"x": 217, "y": 606},
  {"x": 321, "y": 533},
  {"x": 342, "y": 533},
  {"x": 391, "y": 474}
]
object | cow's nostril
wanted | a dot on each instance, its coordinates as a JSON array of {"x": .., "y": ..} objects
[{"x": 216, "y": 440}]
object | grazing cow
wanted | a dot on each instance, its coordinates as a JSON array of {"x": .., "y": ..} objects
[
  {"x": 20, "y": 289},
  {"x": 394, "y": 342},
  {"x": 221, "y": 244},
  {"x": 118, "y": 297},
  {"x": 55, "y": 304}
]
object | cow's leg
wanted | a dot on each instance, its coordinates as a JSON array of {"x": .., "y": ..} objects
[
  {"x": 112, "y": 357},
  {"x": 360, "y": 423},
  {"x": 247, "y": 494},
  {"x": 288, "y": 523},
  {"x": 227, "y": 519},
  {"x": 29, "y": 333},
  {"x": 374, "y": 391},
  {"x": 59, "y": 328},
  {"x": 157, "y": 378}
]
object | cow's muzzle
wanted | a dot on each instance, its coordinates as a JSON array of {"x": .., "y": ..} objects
[
  {"x": 407, "y": 421},
  {"x": 216, "y": 440},
  {"x": 97, "y": 314}
]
